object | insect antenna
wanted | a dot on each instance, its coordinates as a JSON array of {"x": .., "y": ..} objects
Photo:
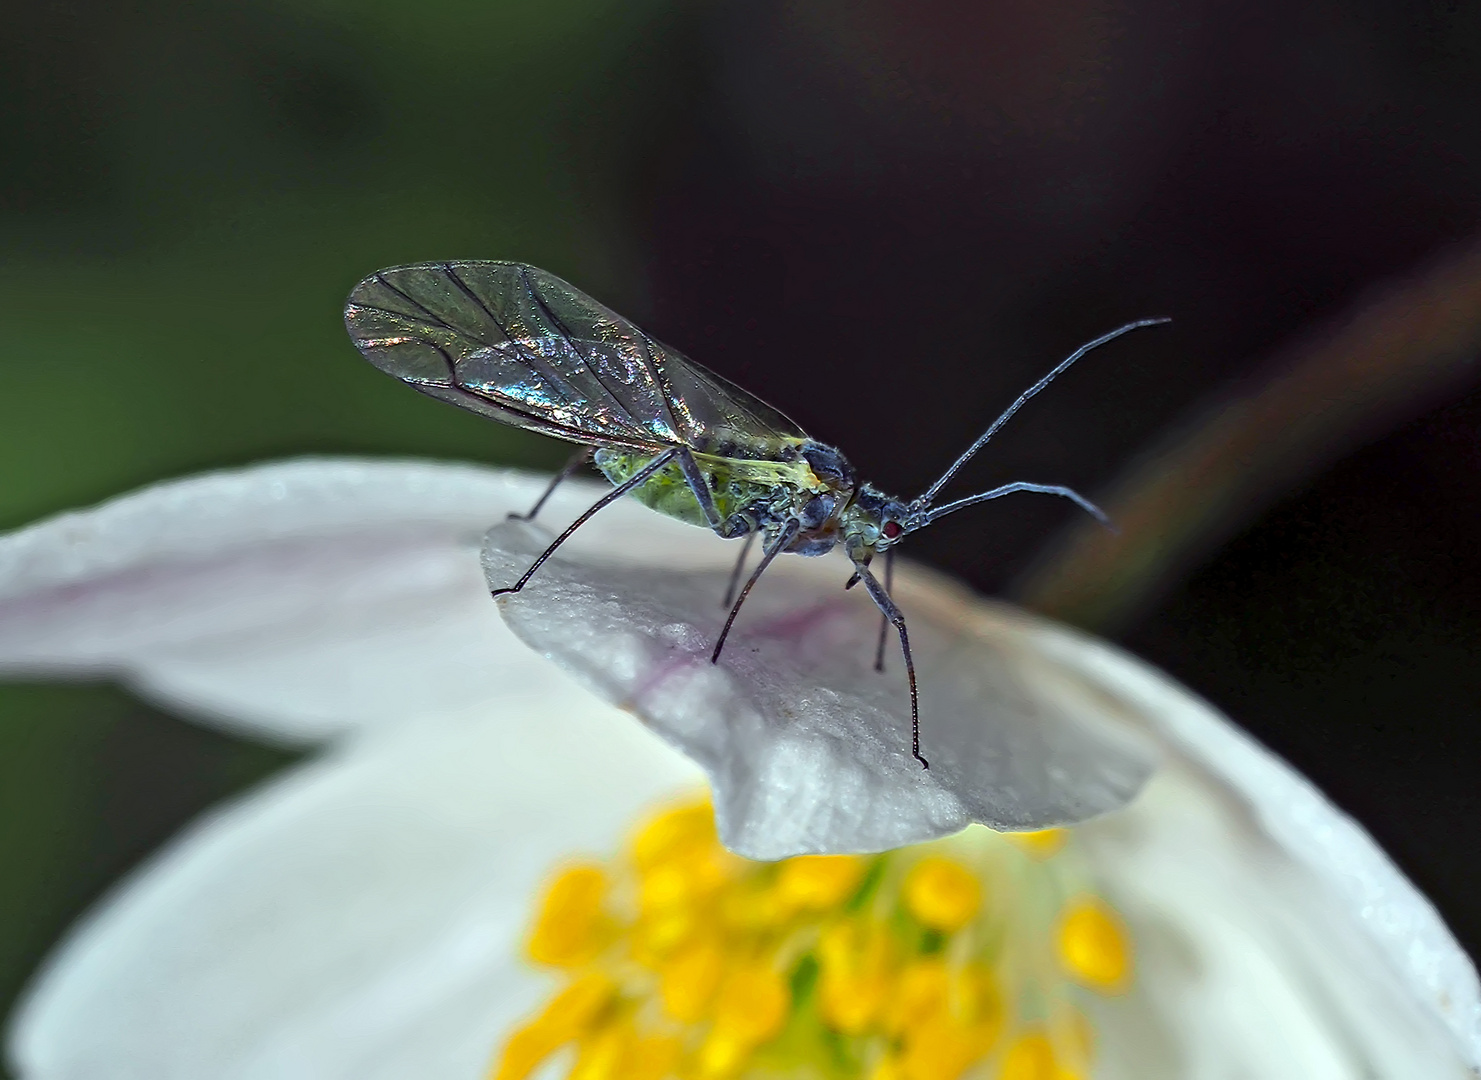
[
  {"x": 928, "y": 496},
  {"x": 1008, "y": 489},
  {"x": 786, "y": 536}
]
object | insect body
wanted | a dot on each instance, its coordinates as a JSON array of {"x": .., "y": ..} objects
[{"x": 524, "y": 347}]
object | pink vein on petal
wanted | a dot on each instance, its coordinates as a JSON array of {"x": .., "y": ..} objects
[
  {"x": 792, "y": 625},
  {"x": 797, "y": 625}
]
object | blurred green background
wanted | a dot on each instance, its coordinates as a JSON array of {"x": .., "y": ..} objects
[
  {"x": 189, "y": 191},
  {"x": 885, "y": 218}
]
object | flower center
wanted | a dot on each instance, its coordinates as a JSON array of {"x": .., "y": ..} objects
[{"x": 965, "y": 957}]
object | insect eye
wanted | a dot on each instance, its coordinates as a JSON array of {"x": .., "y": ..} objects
[{"x": 891, "y": 530}]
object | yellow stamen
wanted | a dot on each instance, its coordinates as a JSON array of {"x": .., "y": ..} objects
[
  {"x": 652, "y": 1058},
  {"x": 978, "y": 1000},
  {"x": 750, "y": 1009},
  {"x": 857, "y": 976},
  {"x": 1093, "y": 945},
  {"x": 689, "y": 979},
  {"x": 1040, "y": 844},
  {"x": 567, "y": 1016},
  {"x": 721, "y": 1055},
  {"x": 523, "y": 1052},
  {"x": 947, "y": 962},
  {"x": 888, "y": 1068},
  {"x": 752, "y": 1004},
  {"x": 673, "y": 833},
  {"x": 601, "y": 1055},
  {"x": 567, "y": 927},
  {"x": 942, "y": 1048},
  {"x": 923, "y": 991},
  {"x": 819, "y": 882},
  {"x": 942, "y": 894},
  {"x": 1031, "y": 1057}
]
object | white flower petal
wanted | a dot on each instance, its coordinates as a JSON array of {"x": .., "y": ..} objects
[
  {"x": 357, "y": 920},
  {"x": 1232, "y": 838},
  {"x": 808, "y": 748},
  {"x": 360, "y": 919},
  {"x": 296, "y": 600},
  {"x": 1257, "y": 966}
]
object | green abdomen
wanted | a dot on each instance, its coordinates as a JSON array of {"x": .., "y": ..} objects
[{"x": 667, "y": 491}]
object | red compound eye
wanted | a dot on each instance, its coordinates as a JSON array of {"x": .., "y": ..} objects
[{"x": 891, "y": 530}]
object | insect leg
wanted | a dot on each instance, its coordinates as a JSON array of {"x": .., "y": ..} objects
[
  {"x": 612, "y": 496},
  {"x": 884, "y": 622},
  {"x": 578, "y": 459},
  {"x": 699, "y": 486},
  {"x": 740, "y": 564},
  {"x": 887, "y": 607},
  {"x": 776, "y": 547}
]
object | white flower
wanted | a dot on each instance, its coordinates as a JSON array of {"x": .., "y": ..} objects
[{"x": 359, "y": 916}]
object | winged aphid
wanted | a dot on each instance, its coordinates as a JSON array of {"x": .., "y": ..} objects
[{"x": 524, "y": 347}]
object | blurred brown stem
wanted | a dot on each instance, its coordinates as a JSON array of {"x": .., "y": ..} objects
[{"x": 1400, "y": 350}]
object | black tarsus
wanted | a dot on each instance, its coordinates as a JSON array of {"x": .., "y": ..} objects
[
  {"x": 887, "y": 608},
  {"x": 776, "y": 547},
  {"x": 740, "y": 565},
  {"x": 612, "y": 496},
  {"x": 578, "y": 459}
]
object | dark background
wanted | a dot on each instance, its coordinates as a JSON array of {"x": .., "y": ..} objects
[{"x": 884, "y": 217}]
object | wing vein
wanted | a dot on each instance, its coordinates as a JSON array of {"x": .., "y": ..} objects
[
  {"x": 404, "y": 315},
  {"x": 532, "y": 359},
  {"x": 523, "y": 347},
  {"x": 665, "y": 391},
  {"x": 432, "y": 316},
  {"x": 565, "y": 333}
]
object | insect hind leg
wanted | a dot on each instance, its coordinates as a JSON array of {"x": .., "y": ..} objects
[
  {"x": 740, "y": 565},
  {"x": 612, "y": 496},
  {"x": 578, "y": 459}
]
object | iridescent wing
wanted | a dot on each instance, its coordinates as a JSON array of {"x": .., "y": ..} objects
[{"x": 526, "y": 348}]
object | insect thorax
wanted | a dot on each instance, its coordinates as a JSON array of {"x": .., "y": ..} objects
[{"x": 761, "y": 487}]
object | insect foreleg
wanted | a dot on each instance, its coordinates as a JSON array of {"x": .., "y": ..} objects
[
  {"x": 887, "y": 607},
  {"x": 773, "y": 549},
  {"x": 884, "y": 622},
  {"x": 695, "y": 477},
  {"x": 612, "y": 496},
  {"x": 578, "y": 459},
  {"x": 740, "y": 564}
]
